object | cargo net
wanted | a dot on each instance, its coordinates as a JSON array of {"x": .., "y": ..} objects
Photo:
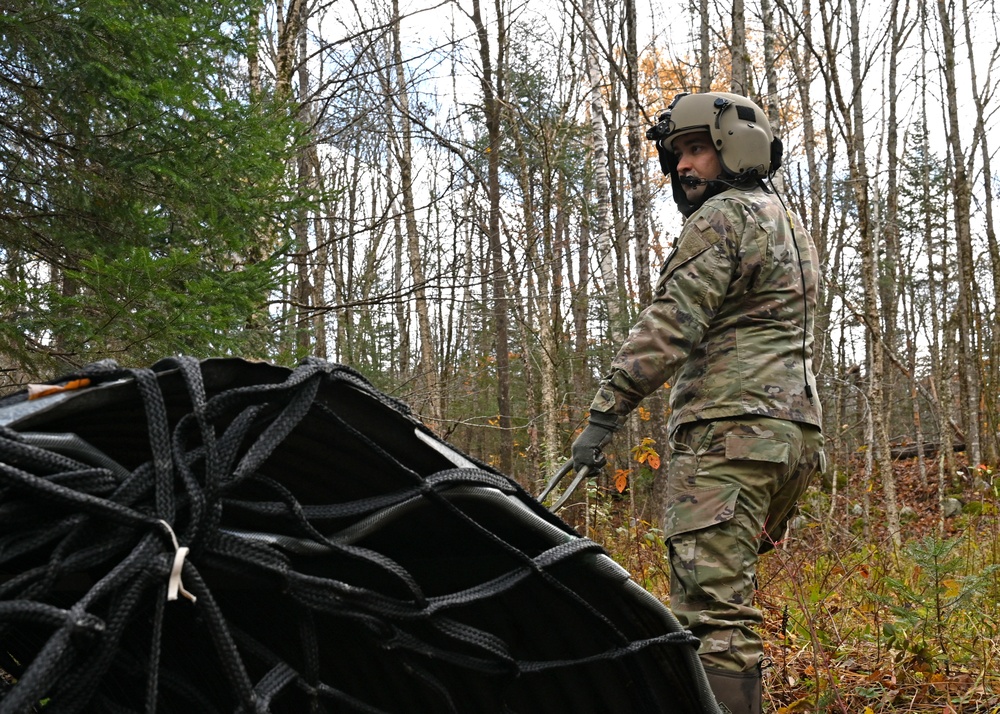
[{"x": 228, "y": 536}]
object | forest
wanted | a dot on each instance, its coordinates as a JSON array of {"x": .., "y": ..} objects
[{"x": 457, "y": 199}]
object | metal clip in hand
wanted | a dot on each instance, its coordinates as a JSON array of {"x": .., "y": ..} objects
[{"x": 557, "y": 477}]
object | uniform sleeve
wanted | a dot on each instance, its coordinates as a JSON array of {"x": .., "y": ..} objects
[{"x": 691, "y": 288}]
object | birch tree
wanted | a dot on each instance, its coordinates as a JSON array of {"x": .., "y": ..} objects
[{"x": 601, "y": 229}]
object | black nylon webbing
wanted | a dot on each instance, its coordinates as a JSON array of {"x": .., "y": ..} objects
[{"x": 291, "y": 590}]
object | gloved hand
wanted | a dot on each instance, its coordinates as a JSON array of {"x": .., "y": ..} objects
[{"x": 587, "y": 447}]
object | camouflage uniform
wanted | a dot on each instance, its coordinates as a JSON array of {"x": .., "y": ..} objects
[{"x": 727, "y": 319}]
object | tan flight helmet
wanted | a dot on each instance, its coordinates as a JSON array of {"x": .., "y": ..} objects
[{"x": 740, "y": 134}]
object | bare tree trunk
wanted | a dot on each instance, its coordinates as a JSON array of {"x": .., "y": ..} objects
[
  {"x": 705, "y": 50},
  {"x": 770, "y": 68},
  {"x": 739, "y": 82},
  {"x": 313, "y": 321},
  {"x": 580, "y": 306},
  {"x": 535, "y": 318},
  {"x": 601, "y": 228},
  {"x": 544, "y": 264},
  {"x": 869, "y": 466},
  {"x": 813, "y": 208},
  {"x": 253, "y": 48},
  {"x": 349, "y": 186},
  {"x": 295, "y": 335},
  {"x": 492, "y": 107},
  {"x": 428, "y": 404},
  {"x": 805, "y": 78},
  {"x": 303, "y": 286},
  {"x": 868, "y": 248},
  {"x": 889, "y": 263},
  {"x": 321, "y": 263},
  {"x": 640, "y": 223},
  {"x": 549, "y": 321},
  {"x": 927, "y": 235},
  {"x": 991, "y": 421},
  {"x": 617, "y": 191},
  {"x": 525, "y": 315},
  {"x": 968, "y": 356},
  {"x": 947, "y": 474},
  {"x": 940, "y": 354},
  {"x": 402, "y": 314},
  {"x": 288, "y": 33},
  {"x": 905, "y": 272},
  {"x": 911, "y": 362},
  {"x": 636, "y": 160}
]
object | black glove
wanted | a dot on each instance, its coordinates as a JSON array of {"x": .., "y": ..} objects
[{"x": 587, "y": 447}]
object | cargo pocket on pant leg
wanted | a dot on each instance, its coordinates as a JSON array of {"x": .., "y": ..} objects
[
  {"x": 704, "y": 563},
  {"x": 764, "y": 451}
]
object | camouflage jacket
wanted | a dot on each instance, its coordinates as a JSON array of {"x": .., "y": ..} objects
[{"x": 727, "y": 319}]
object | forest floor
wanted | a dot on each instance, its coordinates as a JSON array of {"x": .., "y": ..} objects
[{"x": 853, "y": 625}]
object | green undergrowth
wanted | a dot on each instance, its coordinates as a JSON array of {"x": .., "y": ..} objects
[{"x": 852, "y": 624}]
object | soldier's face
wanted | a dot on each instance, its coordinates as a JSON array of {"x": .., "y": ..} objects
[{"x": 696, "y": 158}]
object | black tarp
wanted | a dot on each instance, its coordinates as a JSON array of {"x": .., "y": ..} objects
[{"x": 342, "y": 559}]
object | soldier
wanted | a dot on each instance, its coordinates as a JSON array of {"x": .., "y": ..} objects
[{"x": 731, "y": 321}]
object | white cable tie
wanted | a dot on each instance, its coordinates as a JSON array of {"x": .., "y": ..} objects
[{"x": 174, "y": 584}]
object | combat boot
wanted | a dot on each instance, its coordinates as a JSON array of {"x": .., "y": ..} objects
[{"x": 736, "y": 692}]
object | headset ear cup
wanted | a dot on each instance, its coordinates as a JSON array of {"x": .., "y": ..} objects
[
  {"x": 665, "y": 159},
  {"x": 777, "y": 149}
]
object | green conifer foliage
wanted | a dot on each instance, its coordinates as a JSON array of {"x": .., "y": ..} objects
[{"x": 142, "y": 192}]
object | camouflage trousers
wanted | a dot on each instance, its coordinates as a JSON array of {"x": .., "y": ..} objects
[{"x": 732, "y": 485}]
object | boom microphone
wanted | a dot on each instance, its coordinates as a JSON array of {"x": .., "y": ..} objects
[{"x": 693, "y": 181}]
